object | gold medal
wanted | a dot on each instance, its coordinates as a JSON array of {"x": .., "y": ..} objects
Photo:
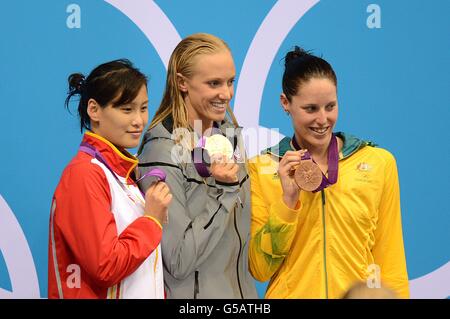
[{"x": 308, "y": 175}]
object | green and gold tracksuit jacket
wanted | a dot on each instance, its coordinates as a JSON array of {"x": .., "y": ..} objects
[{"x": 348, "y": 232}]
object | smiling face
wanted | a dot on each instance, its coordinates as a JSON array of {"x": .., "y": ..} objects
[
  {"x": 314, "y": 112},
  {"x": 208, "y": 92},
  {"x": 121, "y": 125}
]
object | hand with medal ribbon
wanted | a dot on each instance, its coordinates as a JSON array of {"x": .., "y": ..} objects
[
  {"x": 308, "y": 175},
  {"x": 298, "y": 171},
  {"x": 157, "y": 196},
  {"x": 213, "y": 156}
]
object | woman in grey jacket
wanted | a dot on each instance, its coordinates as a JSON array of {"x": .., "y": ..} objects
[{"x": 205, "y": 242}]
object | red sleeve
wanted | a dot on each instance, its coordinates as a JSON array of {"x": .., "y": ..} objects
[{"x": 85, "y": 221}]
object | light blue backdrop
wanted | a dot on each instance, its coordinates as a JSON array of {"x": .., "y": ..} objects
[{"x": 392, "y": 59}]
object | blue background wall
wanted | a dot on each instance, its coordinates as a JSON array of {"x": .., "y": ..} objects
[{"x": 394, "y": 89}]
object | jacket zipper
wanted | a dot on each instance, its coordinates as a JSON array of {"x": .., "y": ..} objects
[
  {"x": 324, "y": 244},
  {"x": 196, "y": 287},
  {"x": 240, "y": 250}
]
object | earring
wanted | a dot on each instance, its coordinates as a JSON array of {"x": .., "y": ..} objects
[{"x": 287, "y": 112}]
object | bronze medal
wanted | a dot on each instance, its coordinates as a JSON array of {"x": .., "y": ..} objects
[{"x": 308, "y": 175}]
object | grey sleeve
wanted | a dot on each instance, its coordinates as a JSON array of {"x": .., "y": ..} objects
[{"x": 187, "y": 242}]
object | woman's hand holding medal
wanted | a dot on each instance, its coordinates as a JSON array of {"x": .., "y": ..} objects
[
  {"x": 224, "y": 169},
  {"x": 286, "y": 172},
  {"x": 298, "y": 171},
  {"x": 157, "y": 200}
]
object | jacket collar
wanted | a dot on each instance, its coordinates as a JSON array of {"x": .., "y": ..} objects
[
  {"x": 121, "y": 162},
  {"x": 165, "y": 130},
  {"x": 223, "y": 125},
  {"x": 351, "y": 145}
]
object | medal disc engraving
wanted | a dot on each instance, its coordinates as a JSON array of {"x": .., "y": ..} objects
[
  {"x": 308, "y": 175},
  {"x": 219, "y": 144},
  {"x": 209, "y": 147}
]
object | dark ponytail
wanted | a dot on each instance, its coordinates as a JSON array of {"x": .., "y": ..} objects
[
  {"x": 76, "y": 81},
  {"x": 117, "y": 82},
  {"x": 76, "y": 85},
  {"x": 294, "y": 54},
  {"x": 301, "y": 66}
]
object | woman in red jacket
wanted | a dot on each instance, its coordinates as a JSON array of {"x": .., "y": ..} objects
[{"x": 105, "y": 235}]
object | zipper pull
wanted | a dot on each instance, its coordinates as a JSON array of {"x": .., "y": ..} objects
[{"x": 196, "y": 285}]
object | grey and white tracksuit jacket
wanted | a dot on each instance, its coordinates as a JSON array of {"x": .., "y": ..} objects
[{"x": 205, "y": 242}]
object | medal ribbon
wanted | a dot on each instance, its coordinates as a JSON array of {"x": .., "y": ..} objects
[
  {"x": 333, "y": 158},
  {"x": 91, "y": 150}
]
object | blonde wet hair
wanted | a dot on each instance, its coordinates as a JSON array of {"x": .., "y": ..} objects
[{"x": 182, "y": 61}]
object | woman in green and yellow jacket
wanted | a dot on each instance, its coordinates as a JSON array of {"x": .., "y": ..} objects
[{"x": 318, "y": 243}]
